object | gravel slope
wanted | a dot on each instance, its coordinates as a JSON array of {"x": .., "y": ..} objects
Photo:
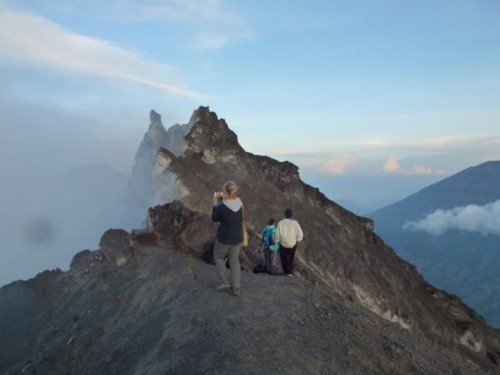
[{"x": 159, "y": 314}]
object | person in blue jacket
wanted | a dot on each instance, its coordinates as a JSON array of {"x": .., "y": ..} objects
[
  {"x": 229, "y": 213},
  {"x": 270, "y": 245}
]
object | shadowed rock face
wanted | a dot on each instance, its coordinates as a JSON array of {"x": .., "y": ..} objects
[{"x": 145, "y": 303}]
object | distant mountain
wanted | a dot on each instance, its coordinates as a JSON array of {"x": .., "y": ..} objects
[
  {"x": 448, "y": 231},
  {"x": 363, "y": 209}
]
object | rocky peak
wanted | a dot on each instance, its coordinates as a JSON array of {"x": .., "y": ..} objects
[
  {"x": 154, "y": 117},
  {"x": 210, "y": 137},
  {"x": 339, "y": 249},
  {"x": 156, "y": 135}
]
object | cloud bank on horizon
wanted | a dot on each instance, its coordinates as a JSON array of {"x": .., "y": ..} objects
[{"x": 484, "y": 220}]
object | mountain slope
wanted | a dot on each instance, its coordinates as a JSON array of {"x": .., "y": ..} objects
[
  {"x": 151, "y": 311},
  {"x": 462, "y": 262},
  {"x": 159, "y": 314}
]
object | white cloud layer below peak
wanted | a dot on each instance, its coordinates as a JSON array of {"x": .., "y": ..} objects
[{"x": 484, "y": 220}]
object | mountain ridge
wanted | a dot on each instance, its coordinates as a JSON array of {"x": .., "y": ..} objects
[
  {"x": 340, "y": 256},
  {"x": 474, "y": 195}
]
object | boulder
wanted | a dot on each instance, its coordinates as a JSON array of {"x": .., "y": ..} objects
[{"x": 116, "y": 246}]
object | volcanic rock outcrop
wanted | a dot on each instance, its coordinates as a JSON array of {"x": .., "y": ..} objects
[
  {"x": 339, "y": 249},
  {"x": 145, "y": 304}
]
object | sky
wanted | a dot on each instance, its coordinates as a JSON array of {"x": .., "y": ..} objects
[{"x": 372, "y": 99}]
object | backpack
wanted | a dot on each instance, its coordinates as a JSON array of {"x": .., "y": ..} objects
[
  {"x": 268, "y": 238},
  {"x": 271, "y": 239},
  {"x": 260, "y": 268}
]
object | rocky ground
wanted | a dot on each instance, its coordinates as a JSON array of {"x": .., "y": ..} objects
[{"x": 158, "y": 313}]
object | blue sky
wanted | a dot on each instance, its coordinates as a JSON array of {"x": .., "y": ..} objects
[{"x": 372, "y": 99}]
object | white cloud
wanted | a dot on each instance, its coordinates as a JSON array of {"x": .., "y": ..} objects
[
  {"x": 182, "y": 11},
  {"x": 32, "y": 39},
  {"x": 373, "y": 142},
  {"x": 207, "y": 24},
  {"x": 210, "y": 42},
  {"x": 472, "y": 218},
  {"x": 392, "y": 165},
  {"x": 420, "y": 169},
  {"x": 213, "y": 24},
  {"x": 440, "y": 143},
  {"x": 337, "y": 165}
]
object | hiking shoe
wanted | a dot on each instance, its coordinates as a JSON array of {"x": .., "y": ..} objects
[
  {"x": 223, "y": 285},
  {"x": 235, "y": 292}
]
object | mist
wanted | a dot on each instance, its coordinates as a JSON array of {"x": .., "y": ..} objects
[
  {"x": 366, "y": 194},
  {"x": 484, "y": 220},
  {"x": 56, "y": 195}
]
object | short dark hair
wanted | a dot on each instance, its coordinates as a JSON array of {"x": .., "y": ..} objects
[{"x": 271, "y": 221}]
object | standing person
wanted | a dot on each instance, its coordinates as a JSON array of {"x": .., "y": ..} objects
[
  {"x": 229, "y": 213},
  {"x": 270, "y": 245},
  {"x": 288, "y": 234}
]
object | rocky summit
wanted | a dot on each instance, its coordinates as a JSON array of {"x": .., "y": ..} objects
[{"x": 145, "y": 302}]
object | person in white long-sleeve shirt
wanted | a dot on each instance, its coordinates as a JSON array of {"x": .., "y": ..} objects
[{"x": 288, "y": 233}]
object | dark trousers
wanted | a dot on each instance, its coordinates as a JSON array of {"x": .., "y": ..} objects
[
  {"x": 270, "y": 259},
  {"x": 287, "y": 256}
]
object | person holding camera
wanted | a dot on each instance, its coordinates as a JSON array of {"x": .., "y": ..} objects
[
  {"x": 228, "y": 211},
  {"x": 288, "y": 234}
]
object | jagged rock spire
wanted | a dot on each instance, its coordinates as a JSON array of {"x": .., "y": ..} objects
[
  {"x": 144, "y": 191},
  {"x": 154, "y": 117}
]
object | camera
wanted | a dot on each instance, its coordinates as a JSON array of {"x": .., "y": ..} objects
[{"x": 218, "y": 196}]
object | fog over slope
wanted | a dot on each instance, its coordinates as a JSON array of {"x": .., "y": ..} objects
[
  {"x": 59, "y": 193},
  {"x": 50, "y": 207}
]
